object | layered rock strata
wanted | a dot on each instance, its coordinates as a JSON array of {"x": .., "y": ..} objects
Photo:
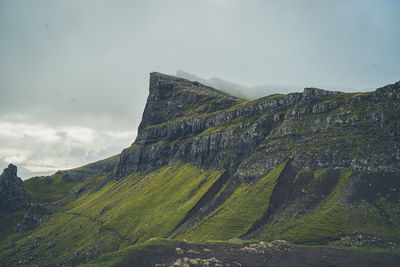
[{"x": 186, "y": 121}]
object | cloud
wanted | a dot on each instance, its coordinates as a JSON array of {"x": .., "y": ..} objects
[
  {"x": 77, "y": 134},
  {"x": 39, "y": 148},
  {"x": 17, "y": 131},
  {"x": 15, "y": 157}
]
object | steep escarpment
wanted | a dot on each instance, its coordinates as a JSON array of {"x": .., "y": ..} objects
[
  {"x": 317, "y": 128},
  {"x": 171, "y": 98},
  {"x": 331, "y": 143},
  {"x": 321, "y": 135}
]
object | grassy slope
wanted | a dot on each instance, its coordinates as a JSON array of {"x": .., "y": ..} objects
[
  {"x": 332, "y": 219},
  {"x": 139, "y": 207},
  {"x": 39, "y": 191},
  {"x": 54, "y": 188},
  {"x": 148, "y": 206},
  {"x": 234, "y": 217}
]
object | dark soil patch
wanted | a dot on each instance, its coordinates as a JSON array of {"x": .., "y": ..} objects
[{"x": 257, "y": 254}]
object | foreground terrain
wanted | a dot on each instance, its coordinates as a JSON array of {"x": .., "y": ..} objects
[
  {"x": 317, "y": 168},
  {"x": 277, "y": 253}
]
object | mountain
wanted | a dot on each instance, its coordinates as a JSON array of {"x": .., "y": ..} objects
[
  {"x": 318, "y": 167},
  {"x": 239, "y": 90}
]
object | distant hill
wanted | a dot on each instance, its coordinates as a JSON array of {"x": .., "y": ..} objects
[{"x": 238, "y": 89}]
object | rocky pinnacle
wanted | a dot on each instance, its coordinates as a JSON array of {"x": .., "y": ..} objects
[{"x": 13, "y": 196}]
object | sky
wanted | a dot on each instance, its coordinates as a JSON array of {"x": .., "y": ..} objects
[{"x": 74, "y": 74}]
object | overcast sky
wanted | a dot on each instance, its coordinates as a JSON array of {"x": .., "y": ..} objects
[{"x": 74, "y": 74}]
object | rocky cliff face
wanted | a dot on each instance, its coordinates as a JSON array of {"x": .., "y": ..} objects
[
  {"x": 320, "y": 136},
  {"x": 189, "y": 122},
  {"x": 13, "y": 196},
  {"x": 171, "y": 98}
]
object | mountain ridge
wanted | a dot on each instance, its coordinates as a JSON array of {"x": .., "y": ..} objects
[
  {"x": 296, "y": 103},
  {"x": 319, "y": 168},
  {"x": 246, "y": 92}
]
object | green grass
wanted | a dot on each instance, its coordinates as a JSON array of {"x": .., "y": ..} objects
[
  {"x": 39, "y": 191},
  {"x": 238, "y": 213},
  {"x": 148, "y": 206},
  {"x": 112, "y": 258},
  {"x": 139, "y": 207},
  {"x": 112, "y": 159},
  {"x": 332, "y": 219},
  {"x": 7, "y": 226},
  {"x": 57, "y": 189},
  {"x": 223, "y": 128},
  {"x": 132, "y": 147}
]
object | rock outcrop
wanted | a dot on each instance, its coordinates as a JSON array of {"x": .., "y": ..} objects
[
  {"x": 35, "y": 215},
  {"x": 90, "y": 170},
  {"x": 13, "y": 196},
  {"x": 186, "y": 121}
]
